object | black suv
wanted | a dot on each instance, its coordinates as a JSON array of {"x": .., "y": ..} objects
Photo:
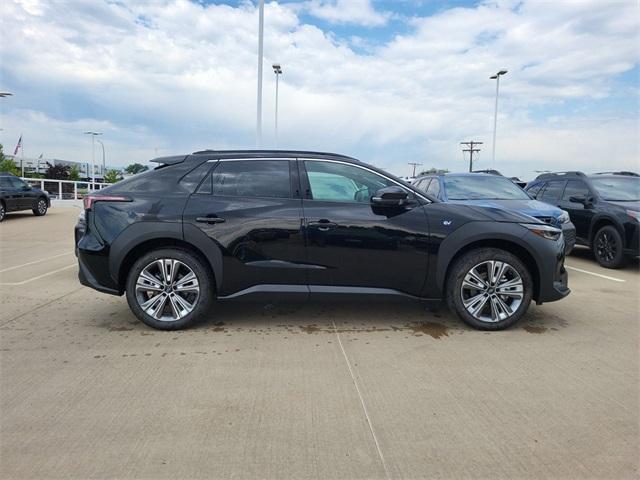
[
  {"x": 224, "y": 225},
  {"x": 604, "y": 207},
  {"x": 16, "y": 194}
]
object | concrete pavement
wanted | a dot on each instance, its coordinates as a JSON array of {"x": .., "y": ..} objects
[{"x": 308, "y": 390}]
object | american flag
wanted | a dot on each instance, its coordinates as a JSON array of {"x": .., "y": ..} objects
[{"x": 18, "y": 146}]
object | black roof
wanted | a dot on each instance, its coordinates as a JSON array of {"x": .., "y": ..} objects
[{"x": 568, "y": 174}]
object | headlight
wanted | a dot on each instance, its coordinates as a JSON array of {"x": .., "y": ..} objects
[
  {"x": 634, "y": 214},
  {"x": 564, "y": 217},
  {"x": 545, "y": 231}
]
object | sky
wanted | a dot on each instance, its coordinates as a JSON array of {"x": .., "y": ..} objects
[{"x": 388, "y": 82}]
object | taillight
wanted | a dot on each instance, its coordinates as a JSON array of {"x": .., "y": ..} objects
[{"x": 89, "y": 200}]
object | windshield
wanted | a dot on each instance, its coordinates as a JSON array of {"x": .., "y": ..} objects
[
  {"x": 483, "y": 187},
  {"x": 618, "y": 189}
]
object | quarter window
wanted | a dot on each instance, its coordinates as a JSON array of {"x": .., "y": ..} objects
[
  {"x": 337, "y": 182},
  {"x": 251, "y": 178},
  {"x": 534, "y": 190}
]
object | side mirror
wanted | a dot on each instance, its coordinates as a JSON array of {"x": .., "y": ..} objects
[{"x": 390, "y": 197}]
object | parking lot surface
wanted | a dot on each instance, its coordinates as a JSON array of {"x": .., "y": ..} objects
[{"x": 347, "y": 390}]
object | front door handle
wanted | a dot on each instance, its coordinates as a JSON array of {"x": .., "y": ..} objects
[
  {"x": 210, "y": 220},
  {"x": 323, "y": 225}
]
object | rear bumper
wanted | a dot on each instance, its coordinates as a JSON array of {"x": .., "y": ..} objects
[{"x": 88, "y": 280}]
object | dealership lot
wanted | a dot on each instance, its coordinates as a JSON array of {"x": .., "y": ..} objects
[{"x": 308, "y": 390}]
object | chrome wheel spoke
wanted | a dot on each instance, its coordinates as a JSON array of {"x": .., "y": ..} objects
[
  {"x": 474, "y": 305},
  {"x": 148, "y": 282},
  {"x": 155, "y": 305},
  {"x": 473, "y": 280},
  {"x": 183, "y": 303},
  {"x": 188, "y": 283}
]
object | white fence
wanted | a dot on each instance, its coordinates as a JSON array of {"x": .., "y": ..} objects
[{"x": 64, "y": 189}]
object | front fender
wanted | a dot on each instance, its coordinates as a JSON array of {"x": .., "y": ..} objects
[{"x": 473, "y": 232}]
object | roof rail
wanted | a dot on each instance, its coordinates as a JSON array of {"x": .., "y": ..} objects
[
  {"x": 489, "y": 171},
  {"x": 271, "y": 152},
  {"x": 623, "y": 172},
  {"x": 169, "y": 160},
  {"x": 573, "y": 173}
]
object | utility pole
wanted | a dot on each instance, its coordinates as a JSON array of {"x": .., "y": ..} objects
[
  {"x": 471, "y": 151},
  {"x": 414, "y": 165}
]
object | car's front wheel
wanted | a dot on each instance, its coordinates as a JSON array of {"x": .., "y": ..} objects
[
  {"x": 607, "y": 247},
  {"x": 40, "y": 207},
  {"x": 169, "y": 289},
  {"x": 489, "y": 288},
  {"x": 3, "y": 211}
]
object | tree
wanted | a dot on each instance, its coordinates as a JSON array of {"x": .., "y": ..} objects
[
  {"x": 74, "y": 173},
  {"x": 111, "y": 176},
  {"x": 433, "y": 170},
  {"x": 136, "y": 168},
  {"x": 57, "y": 172},
  {"x": 7, "y": 164}
]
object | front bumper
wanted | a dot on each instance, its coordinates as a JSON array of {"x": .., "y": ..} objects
[{"x": 553, "y": 280}]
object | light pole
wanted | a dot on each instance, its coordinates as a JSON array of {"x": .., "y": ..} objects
[
  {"x": 277, "y": 69},
  {"x": 104, "y": 168},
  {"x": 260, "y": 43},
  {"x": 93, "y": 158},
  {"x": 496, "y": 77}
]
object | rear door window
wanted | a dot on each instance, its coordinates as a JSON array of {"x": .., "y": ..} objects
[
  {"x": 535, "y": 189},
  {"x": 252, "y": 178}
]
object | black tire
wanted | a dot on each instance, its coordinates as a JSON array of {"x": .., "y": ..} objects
[
  {"x": 3, "y": 211},
  {"x": 477, "y": 258},
  {"x": 202, "y": 303},
  {"x": 608, "y": 247},
  {"x": 40, "y": 208}
]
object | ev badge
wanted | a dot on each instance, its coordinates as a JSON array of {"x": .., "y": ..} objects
[{"x": 446, "y": 222}]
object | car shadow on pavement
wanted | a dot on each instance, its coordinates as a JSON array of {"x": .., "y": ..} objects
[{"x": 410, "y": 318}]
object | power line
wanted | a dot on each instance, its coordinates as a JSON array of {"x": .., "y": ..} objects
[
  {"x": 414, "y": 165},
  {"x": 471, "y": 151}
]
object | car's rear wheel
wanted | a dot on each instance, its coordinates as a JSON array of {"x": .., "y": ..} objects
[
  {"x": 489, "y": 288},
  {"x": 3, "y": 211},
  {"x": 40, "y": 207},
  {"x": 169, "y": 289},
  {"x": 607, "y": 247}
]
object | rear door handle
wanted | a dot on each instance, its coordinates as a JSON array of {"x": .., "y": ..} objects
[
  {"x": 322, "y": 225},
  {"x": 210, "y": 220}
]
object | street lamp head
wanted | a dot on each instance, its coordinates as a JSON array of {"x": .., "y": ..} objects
[
  {"x": 277, "y": 69},
  {"x": 5, "y": 94},
  {"x": 93, "y": 133},
  {"x": 501, "y": 72}
]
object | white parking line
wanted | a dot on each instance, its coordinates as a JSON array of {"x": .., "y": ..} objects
[
  {"x": 35, "y": 261},
  {"x": 364, "y": 407},
  {"x": 613, "y": 279},
  {"x": 38, "y": 277}
]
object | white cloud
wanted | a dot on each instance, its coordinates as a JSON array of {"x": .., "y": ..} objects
[
  {"x": 359, "y": 12},
  {"x": 180, "y": 76}
]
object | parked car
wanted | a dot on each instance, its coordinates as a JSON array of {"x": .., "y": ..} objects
[
  {"x": 16, "y": 194},
  {"x": 495, "y": 191},
  {"x": 605, "y": 208},
  {"x": 227, "y": 225}
]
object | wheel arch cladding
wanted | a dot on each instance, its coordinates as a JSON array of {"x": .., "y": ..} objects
[
  {"x": 602, "y": 221},
  {"x": 502, "y": 237},
  {"x": 146, "y": 236}
]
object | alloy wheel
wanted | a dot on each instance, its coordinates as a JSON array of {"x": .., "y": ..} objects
[
  {"x": 492, "y": 291},
  {"x": 606, "y": 247},
  {"x": 42, "y": 207},
  {"x": 167, "y": 289}
]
